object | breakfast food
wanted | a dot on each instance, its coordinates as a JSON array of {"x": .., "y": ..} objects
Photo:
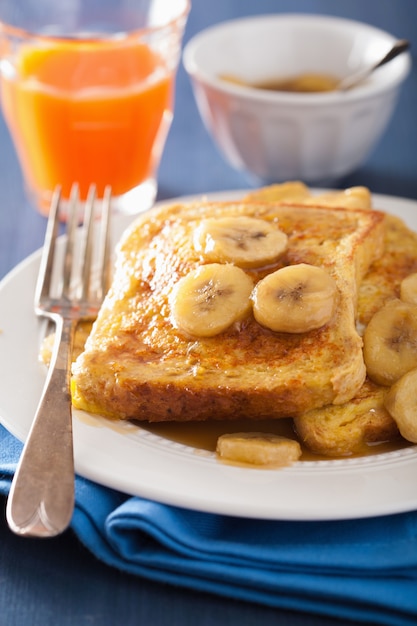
[
  {"x": 244, "y": 241},
  {"x": 259, "y": 449},
  {"x": 401, "y": 402},
  {"x": 295, "y": 299},
  {"x": 349, "y": 428},
  {"x": 297, "y": 192},
  {"x": 390, "y": 342},
  {"x": 144, "y": 361},
  {"x": 210, "y": 299},
  {"x": 189, "y": 330},
  {"x": 408, "y": 289}
]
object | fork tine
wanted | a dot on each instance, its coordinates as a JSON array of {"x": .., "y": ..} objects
[
  {"x": 43, "y": 284},
  {"x": 104, "y": 245},
  {"x": 88, "y": 244},
  {"x": 72, "y": 223}
]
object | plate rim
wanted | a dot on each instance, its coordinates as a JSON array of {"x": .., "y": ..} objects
[{"x": 151, "y": 484}]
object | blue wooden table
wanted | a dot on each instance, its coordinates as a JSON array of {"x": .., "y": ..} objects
[{"x": 58, "y": 582}]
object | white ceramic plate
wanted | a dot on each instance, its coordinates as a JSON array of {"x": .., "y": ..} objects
[{"x": 138, "y": 462}]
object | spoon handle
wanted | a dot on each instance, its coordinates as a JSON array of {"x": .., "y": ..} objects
[{"x": 399, "y": 47}]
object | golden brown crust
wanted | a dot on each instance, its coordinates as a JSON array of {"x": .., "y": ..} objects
[
  {"x": 344, "y": 430},
  {"x": 382, "y": 281},
  {"x": 298, "y": 193},
  {"x": 137, "y": 365}
]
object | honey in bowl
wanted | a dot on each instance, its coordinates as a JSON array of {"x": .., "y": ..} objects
[{"x": 303, "y": 83}]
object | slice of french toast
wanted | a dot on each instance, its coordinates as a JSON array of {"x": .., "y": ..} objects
[
  {"x": 138, "y": 364},
  {"x": 348, "y": 428}
]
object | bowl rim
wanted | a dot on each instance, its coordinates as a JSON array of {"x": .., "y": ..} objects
[{"x": 367, "y": 90}]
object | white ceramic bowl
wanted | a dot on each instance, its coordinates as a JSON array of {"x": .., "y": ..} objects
[{"x": 277, "y": 136}]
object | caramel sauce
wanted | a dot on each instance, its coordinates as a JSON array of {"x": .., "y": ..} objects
[
  {"x": 204, "y": 435},
  {"x": 302, "y": 83}
]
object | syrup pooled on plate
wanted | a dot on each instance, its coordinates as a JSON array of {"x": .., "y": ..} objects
[{"x": 204, "y": 435}]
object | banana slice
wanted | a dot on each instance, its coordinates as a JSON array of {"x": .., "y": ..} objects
[
  {"x": 401, "y": 404},
  {"x": 259, "y": 449},
  {"x": 294, "y": 299},
  {"x": 211, "y": 298},
  {"x": 244, "y": 241},
  {"x": 408, "y": 289},
  {"x": 390, "y": 342}
]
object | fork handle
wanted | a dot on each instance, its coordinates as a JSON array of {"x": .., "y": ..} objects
[{"x": 41, "y": 499}]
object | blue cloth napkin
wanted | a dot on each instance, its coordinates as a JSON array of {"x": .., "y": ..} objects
[{"x": 363, "y": 570}]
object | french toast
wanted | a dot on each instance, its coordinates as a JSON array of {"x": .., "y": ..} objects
[
  {"x": 346, "y": 429},
  {"x": 137, "y": 363},
  {"x": 298, "y": 192},
  {"x": 342, "y": 430}
]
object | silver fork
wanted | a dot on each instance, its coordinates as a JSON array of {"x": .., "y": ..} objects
[{"x": 41, "y": 499}]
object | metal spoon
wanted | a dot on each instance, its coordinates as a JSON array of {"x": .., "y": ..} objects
[{"x": 399, "y": 47}]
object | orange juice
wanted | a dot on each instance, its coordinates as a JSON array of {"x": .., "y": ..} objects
[{"x": 87, "y": 112}]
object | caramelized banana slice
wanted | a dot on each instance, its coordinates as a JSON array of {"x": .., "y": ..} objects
[
  {"x": 211, "y": 298},
  {"x": 244, "y": 241},
  {"x": 401, "y": 404},
  {"x": 294, "y": 299},
  {"x": 408, "y": 289},
  {"x": 390, "y": 342},
  {"x": 258, "y": 449}
]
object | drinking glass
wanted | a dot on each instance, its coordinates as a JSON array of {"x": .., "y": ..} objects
[{"x": 87, "y": 92}]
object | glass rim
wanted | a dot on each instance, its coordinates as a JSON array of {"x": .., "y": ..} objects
[{"x": 116, "y": 37}]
